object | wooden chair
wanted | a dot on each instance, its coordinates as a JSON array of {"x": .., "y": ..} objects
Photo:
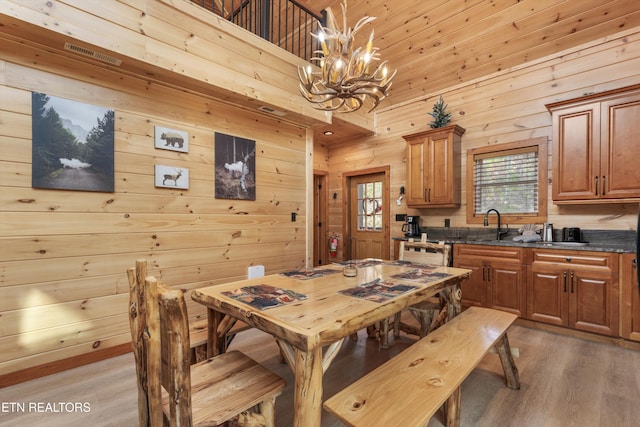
[
  {"x": 171, "y": 391},
  {"x": 198, "y": 332},
  {"x": 431, "y": 313}
]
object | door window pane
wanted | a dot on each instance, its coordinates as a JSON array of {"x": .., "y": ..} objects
[{"x": 370, "y": 206}]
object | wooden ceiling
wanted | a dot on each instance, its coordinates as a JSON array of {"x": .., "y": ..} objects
[{"x": 436, "y": 44}]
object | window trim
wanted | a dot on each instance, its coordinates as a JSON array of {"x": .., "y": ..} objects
[{"x": 541, "y": 144}]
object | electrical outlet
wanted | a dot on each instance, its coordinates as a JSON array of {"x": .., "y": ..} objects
[
  {"x": 401, "y": 217},
  {"x": 293, "y": 216},
  {"x": 447, "y": 223}
]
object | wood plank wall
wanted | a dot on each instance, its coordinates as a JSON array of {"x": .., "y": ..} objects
[
  {"x": 507, "y": 106},
  {"x": 63, "y": 254}
]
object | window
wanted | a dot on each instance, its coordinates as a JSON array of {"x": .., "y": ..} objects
[
  {"x": 511, "y": 178},
  {"x": 370, "y": 206}
]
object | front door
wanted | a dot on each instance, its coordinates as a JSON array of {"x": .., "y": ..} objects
[{"x": 368, "y": 216}]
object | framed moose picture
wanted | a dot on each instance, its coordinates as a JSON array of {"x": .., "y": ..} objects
[{"x": 235, "y": 167}]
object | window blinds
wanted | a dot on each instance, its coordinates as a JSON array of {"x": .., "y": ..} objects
[{"x": 507, "y": 181}]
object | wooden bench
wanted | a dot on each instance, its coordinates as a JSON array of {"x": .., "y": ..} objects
[{"x": 408, "y": 389}]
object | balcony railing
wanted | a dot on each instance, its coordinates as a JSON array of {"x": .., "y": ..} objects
[{"x": 285, "y": 23}]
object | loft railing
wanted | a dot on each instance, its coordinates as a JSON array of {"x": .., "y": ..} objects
[{"x": 285, "y": 23}]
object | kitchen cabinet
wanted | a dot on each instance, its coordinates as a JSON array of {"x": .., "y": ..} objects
[
  {"x": 629, "y": 298},
  {"x": 577, "y": 289},
  {"x": 498, "y": 276},
  {"x": 433, "y": 168},
  {"x": 595, "y": 147}
]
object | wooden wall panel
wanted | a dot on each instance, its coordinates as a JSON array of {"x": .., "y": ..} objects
[
  {"x": 503, "y": 107},
  {"x": 63, "y": 254},
  {"x": 63, "y": 356}
]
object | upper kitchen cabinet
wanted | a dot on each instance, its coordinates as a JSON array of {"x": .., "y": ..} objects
[
  {"x": 433, "y": 168},
  {"x": 596, "y": 147}
]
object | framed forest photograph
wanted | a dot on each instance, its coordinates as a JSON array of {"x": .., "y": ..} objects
[
  {"x": 72, "y": 145},
  {"x": 235, "y": 167}
]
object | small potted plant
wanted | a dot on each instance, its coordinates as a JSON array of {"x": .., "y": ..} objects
[{"x": 441, "y": 117}]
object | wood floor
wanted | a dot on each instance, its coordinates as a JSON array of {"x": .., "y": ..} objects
[{"x": 566, "y": 381}]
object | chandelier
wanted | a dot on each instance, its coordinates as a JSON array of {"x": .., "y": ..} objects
[{"x": 348, "y": 77}]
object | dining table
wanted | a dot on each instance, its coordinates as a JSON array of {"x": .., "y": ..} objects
[{"x": 311, "y": 311}]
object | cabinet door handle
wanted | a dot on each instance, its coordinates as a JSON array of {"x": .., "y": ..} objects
[
  {"x": 489, "y": 273},
  {"x": 596, "y": 185},
  {"x": 429, "y": 195},
  {"x": 572, "y": 282},
  {"x": 484, "y": 279},
  {"x": 603, "y": 183},
  {"x": 564, "y": 275}
]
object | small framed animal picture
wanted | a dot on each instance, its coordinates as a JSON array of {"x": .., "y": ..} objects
[
  {"x": 171, "y": 139},
  {"x": 172, "y": 177}
]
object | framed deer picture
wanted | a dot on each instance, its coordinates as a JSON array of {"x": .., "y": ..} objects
[
  {"x": 172, "y": 177},
  {"x": 235, "y": 167},
  {"x": 171, "y": 139}
]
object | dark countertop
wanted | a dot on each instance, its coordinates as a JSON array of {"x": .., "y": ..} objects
[
  {"x": 618, "y": 241},
  {"x": 595, "y": 247}
]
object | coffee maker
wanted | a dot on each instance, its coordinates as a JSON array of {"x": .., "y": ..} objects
[{"x": 412, "y": 227}]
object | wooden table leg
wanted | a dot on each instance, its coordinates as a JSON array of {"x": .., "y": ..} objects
[
  {"x": 307, "y": 398},
  {"x": 214, "y": 344},
  {"x": 288, "y": 352},
  {"x": 453, "y": 296},
  {"x": 225, "y": 325}
]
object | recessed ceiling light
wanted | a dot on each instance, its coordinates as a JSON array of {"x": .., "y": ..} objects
[{"x": 328, "y": 132}]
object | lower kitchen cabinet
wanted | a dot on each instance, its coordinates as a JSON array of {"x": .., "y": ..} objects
[
  {"x": 577, "y": 289},
  {"x": 629, "y": 298},
  {"x": 498, "y": 276}
]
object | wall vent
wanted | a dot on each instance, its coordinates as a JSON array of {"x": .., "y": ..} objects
[
  {"x": 272, "y": 111},
  {"x": 92, "y": 54}
]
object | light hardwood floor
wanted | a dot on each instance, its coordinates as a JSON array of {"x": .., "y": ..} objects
[{"x": 566, "y": 381}]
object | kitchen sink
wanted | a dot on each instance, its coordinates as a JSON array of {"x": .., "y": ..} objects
[{"x": 567, "y": 243}]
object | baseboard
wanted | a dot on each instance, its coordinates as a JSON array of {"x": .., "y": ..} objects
[{"x": 62, "y": 365}]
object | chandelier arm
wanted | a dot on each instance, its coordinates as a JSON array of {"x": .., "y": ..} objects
[
  {"x": 362, "y": 22},
  {"x": 344, "y": 14},
  {"x": 328, "y": 93}
]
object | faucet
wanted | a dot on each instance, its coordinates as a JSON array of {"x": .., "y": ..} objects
[{"x": 499, "y": 232}]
